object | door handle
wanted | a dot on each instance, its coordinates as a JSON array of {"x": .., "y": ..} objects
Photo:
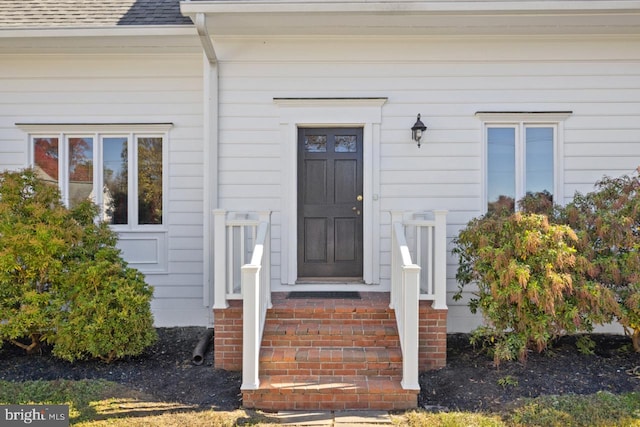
[{"x": 359, "y": 198}]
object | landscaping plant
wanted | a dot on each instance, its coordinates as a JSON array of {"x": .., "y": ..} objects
[
  {"x": 607, "y": 222},
  {"x": 531, "y": 282},
  {"x": 548, "y": 270},
  {"x": 62, "y": 279}
]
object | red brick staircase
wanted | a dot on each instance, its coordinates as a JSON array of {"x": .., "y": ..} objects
[{"x": 330, "y": 354}]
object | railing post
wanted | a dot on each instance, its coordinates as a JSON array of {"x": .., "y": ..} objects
[
  {"x": 396, "y": 216},
  {"x": 219, "y": 259},
  {"x": 265, "y": 216},
  {"x": 250, "y": 327},
  {"x": 411, "y": 296},
  {"x": 440, "y": 261}
]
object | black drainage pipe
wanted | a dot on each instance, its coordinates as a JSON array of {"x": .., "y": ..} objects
[{"x": 202, "y": 347}]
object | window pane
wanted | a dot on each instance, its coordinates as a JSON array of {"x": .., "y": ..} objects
[
  {"x": 315, "y": 143},
  {"x": 346, "y": 144},
  {"x": 80, "y": 170},
  {"x": 501, "y": 175},
  {"x": 116, "y": 180},
  {"x": 149, "y": 180},
  {"x": 539, "y": 161},
  {"x": 46, "y": 156}
]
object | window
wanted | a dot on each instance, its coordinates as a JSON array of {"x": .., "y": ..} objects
[
  {"x": 521, "y": 157},
  {"x": 122, "y": 172}
]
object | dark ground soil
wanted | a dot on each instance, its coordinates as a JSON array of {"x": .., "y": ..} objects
[{"x": 469, "y": 382}]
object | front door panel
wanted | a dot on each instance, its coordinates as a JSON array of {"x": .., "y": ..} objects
[{"x": 330, "y": 202}]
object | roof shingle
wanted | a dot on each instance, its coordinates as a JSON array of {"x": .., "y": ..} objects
[{"x": 89, "y": 13}]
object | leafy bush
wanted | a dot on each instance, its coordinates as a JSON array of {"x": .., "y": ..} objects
[
  {"x": 607, "y": 222},
  {"x": 62, "y": 280},
  {"x": 531, "y": 282}
]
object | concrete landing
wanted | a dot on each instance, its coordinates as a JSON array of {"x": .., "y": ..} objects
[{"x": 334, "y": 418}]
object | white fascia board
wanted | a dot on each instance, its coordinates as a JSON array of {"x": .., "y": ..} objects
[
  {"x": 408, "y": 7},
  {"x": 125, "y": 31}
]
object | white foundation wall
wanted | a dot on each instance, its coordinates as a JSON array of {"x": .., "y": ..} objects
[
  {"x": 446, "y": 80},
  {"x": 125, "y": 88}
]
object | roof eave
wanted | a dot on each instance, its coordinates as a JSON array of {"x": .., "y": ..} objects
[
  {"x": 407, "y": 17},
  {"x": 119, "y": 31},
  {"x": 190, "y": 8}
]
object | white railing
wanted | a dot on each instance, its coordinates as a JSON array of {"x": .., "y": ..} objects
[
  {"x": 235, "y": 235},
  {"x": 256, "y": 297},
  {"x": 242, "y": 263},
  {"x": 408, "y": 285}
]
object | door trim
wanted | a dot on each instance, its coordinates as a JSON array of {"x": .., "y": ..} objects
[{"x": 330, "y": 112}]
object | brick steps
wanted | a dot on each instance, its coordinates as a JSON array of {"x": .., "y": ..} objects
[
  {"x": 312, "y": 334},
  {"x": 330, "y": 354},
  {"x": 282, "y": 392},
  {"x": 331, "y": 361}
]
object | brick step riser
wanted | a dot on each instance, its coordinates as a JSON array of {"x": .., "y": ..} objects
[
  {"x": 278, "y": 341},
  {"x": 392, "y": 371},
  {"x": 330, "y": 311},
  {"x": 269, "y": 400},
  {"x": 324, "y": 315}
]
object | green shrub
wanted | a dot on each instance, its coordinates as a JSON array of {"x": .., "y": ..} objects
[
  {"x": 531, "y": 282},
  {"x": 62, "y": 280},
  {"x": 607, "y": 222}
]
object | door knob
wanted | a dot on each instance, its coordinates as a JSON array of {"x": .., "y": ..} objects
[{"x": 359, "y": 198}]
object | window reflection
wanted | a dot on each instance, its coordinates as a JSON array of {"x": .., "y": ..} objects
[
  {"x": 501, "y": 175},
  {"x": 46, "y": 159},
  {"x": 315, "y": 143},
  {"x": 80, "y": 170},
  {"x": 539, "y": 161},
  {"x": 346, "y": 144},
  {"x": 116, "y": 180},
  {"x": 149, "y": 180}
]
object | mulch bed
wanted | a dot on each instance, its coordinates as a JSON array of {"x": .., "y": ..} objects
[{"x": 470, "y": 381}]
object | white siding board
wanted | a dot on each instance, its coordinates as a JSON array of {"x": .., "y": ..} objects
[
  {"x": 423, "y": 189},
  {"x": 180, "y": 195},
  {"x": 186, "y": 255},
  {"x": 179, "y": 242},
  {"x": 450, "y": 176},
  {"x": 188, "y": 182},
  {"x": 169, "y": 292},
  {"x": 243, "y": 178},
  {"x": 186, "y": 206},
  {"x": 604, "y": 149}
]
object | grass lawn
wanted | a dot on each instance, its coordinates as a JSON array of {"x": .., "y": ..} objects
[{"x": 94, "y": 403}]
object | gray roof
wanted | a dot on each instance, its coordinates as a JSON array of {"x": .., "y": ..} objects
[{"x": 89, "y": 13}]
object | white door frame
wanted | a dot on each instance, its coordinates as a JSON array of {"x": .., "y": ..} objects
[{"x": 330, "y": 112}]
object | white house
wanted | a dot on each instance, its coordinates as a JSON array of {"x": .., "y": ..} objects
[{"x": 299, "y": 114}]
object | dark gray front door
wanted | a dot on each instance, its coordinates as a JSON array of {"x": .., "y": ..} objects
[{"x": 330, "y": 202}]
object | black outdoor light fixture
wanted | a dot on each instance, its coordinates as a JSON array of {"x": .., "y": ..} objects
[{"x": 417, "y": 130}]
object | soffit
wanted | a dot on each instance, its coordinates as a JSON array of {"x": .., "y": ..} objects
[{"x": 407, "y": 18}]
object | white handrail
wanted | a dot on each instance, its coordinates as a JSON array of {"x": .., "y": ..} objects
[
  {"x": 406, "y": 290},
  {"x": 405, "y": 295},
  {"x": 256, "y": 297}
]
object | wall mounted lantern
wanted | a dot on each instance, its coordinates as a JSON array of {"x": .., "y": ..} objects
[{"x": 417, "y": 130}]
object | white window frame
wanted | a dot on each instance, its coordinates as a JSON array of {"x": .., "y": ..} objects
[
  {"x": 98, "y": 133},
  {"x": 520, "y": 122},
  {"x": 144, "y": 246}
]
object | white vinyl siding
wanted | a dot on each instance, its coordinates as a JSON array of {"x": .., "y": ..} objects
[
  {"x": 445, "y": 80},
  {"x": 126, "y": 88}
]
